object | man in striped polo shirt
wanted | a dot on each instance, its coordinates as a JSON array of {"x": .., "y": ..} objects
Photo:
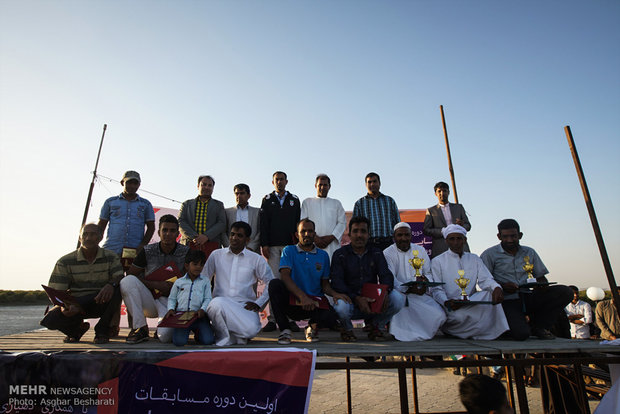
[
  {"x": 380, "y": 209},
  {"x": 91, "y": 275}
]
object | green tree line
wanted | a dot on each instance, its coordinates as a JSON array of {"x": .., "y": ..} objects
[{"x": 23, "y": 297}]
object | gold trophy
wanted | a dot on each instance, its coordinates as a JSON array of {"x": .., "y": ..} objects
[
  {"x": 462, "y": 282},
  {"x": 529, "y": 267},
  {"x": 416, "y": 263}
]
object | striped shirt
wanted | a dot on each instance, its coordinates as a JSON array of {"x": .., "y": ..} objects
[
  {"x": 200, "y": 223},
  {"x": 73, "y": 272},
  {"x": 382, "y": 213}
]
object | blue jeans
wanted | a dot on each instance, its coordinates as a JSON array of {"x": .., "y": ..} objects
[
  {"x": 346, "y": 311},
  {"x": 201, "y": 327}
]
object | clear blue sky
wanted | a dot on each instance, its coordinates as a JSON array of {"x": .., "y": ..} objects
[{"x": 239, "y": 89}]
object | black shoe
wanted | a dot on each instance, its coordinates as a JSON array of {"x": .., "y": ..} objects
[
  {"x": 73, "y": 339},
  {"x": 270, "y": 327},
  {"x": 543, "y": 333},
  {"x": 293, "y": 326},
  {"x": 138, "y": 335}
]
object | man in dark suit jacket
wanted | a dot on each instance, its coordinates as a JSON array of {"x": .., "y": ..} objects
[
  {"x": 246, "y": 213},
  {"x": 211, "y": 222},
  {"x": 439, "y": 216}
]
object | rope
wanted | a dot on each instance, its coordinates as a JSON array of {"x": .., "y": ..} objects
[{"x": 141, "y": 189}]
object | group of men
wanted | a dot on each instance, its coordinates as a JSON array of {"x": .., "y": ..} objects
[{"x": 295, "y": 250}]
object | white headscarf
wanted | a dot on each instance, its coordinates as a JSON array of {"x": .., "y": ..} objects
[{"x": 453, "y": 228}]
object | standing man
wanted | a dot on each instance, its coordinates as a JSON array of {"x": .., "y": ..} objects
[
  {"x": 91, "y": 275},
  {"x": 543, "y": 305},
  {"x": 127, "y": 214},
  {"x": 607, "y": 319},
  {"x": 328, "y": 215},
  {"x": 279, "y": 214},
  {"x": 233, "y": 311},
  {"x": 304, "y": 274},
  {"x": 202, "y": 219},
  {"x": 421, "y": 317},
  {"x": 138, "y": 293},
  {"x": 579, "y": 315},
  {"x": 483, "y": 321},
  {"x": 380, "y": 210},
  {"x": 442, "y": 215},
  {"x": 246, "y": 213},
  {"x": 354, "y": 265}
]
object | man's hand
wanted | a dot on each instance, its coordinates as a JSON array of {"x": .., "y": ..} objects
[
  {"x": 265, "y": 251},
  {"x": 251, "y": 306},
  {"x": 510, "y": 287},
  {"x": 105, "y": 294},
  {"x": 497, "y": 295},
  {"x": 169, "y": 314},
  {"x": 200, "y": 239},
  {"x": 575, "y": 317},
  {"x": 72, "y": 310},
  {"x": 323, "y": 241},
  {"x": 418, "y": 289},
  {"x": 308, "y": 303},
  {"x": 341, "y": 296},
  {"x": 363, "y": 303},
  {"x": 458, "y": 221},
  {"x": 201, "y": 314},
  {"x": 452, "y": 304}
]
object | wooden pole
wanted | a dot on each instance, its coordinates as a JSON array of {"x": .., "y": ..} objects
[
  {"x": 92, "y": 183},
  {"x": 595, "y": 226},
  {"x": 445, "y": 133}
]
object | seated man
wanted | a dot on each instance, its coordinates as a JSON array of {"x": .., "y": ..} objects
[
  {"x": 304, "y": 272},
  {"x": 233, "y": 311},
  {"x": 421, "y": 317},
  {"x": 579, "y": 315},
  {"x": 138, "y": 293},
  {"x": 354, "y": 265},
  {"x": 90, "y": 274},
  {"x": 482, "y": 321},
  {"x": 607, "y": 319},
  {"x": 543, "y": 305}
]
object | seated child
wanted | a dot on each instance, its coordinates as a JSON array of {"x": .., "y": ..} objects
[
  {"x": 192, "y": 292},
  {"x": 481, "y": 394}
]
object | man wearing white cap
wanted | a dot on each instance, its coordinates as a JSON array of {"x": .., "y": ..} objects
[
  {"x": 422, "y": 316},
  {"x": 480, "y": 321}
]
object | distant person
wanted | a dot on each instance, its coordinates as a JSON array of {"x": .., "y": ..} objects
[
  {"x": 138, "y": 293},
  {"x": 202, "y": 219},
  {"x": 607, "y": 319},
  {"x": 246, "y": 213},
  {"x": 192, "y": 293},
  {"x": 381, "y": 211},
  {"x": 483, "y": 321},
  {"x": 328, "y": 215},
  {"x": 422, "y": 316},
  {"x": 91, "y": 274},
  {"x": 279, "y": 214},
  {"x": 544, "y": 305},
  {"x": 354, "y": 265},
  {"x": 233, "y": 311},
  {"x": 481, "y": 394},
  {"x": 579, "y": 315},
  {"x": 127, "y": 215},
  {"x": 442, "y": 215},
  {"x": 304, "y": 276}
]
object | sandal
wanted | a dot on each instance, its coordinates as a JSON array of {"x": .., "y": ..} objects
[
  {"x": 285, "y": 337},
  {"x": 347, "y": 336},
  {"x": 377, "y": 336},
  {"x": 84, "y": 326}
]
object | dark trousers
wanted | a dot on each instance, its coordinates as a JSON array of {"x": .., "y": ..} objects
[
  {"x": 71, "y": 325},
  {"x": 282, "y": 310},
  {"x": 544, "y": 308}
]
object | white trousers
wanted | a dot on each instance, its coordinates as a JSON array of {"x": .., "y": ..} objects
[
  {"x": 419, "y": 320},
  {"x": 141, "y": 305},
  {"x": 477, "y": 321},
  {"x": 232, "y": 323}
]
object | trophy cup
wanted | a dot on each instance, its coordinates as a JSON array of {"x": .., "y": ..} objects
[
  {"x": 529, "y": 267},
  {"x": 462, "y": 282},
  {"x": 416, "y": 263}
]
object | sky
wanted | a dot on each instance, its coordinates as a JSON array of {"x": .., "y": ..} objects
[{"x": 240, "y": 89}]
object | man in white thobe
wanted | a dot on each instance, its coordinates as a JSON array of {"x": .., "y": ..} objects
[
  {"x": 481, "y": 321},
  {"x": 422, "y": 316},
  {"x": 233, "y": 311},
  {"x": 328, "y": 215},
  {"x": 579, "y": 315}
]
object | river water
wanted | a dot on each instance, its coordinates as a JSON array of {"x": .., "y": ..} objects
[{"x": 16, "y": 319}]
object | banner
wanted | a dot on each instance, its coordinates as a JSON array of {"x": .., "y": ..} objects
[{"x": 214, "y": 381}]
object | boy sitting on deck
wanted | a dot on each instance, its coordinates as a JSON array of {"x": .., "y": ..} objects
[{"x": 192, "y": 293}]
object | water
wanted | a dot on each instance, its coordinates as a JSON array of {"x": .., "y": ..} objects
[{"x": 16, "y": 319}]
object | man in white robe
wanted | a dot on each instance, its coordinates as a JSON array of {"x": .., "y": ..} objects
[
  {"x": 233, "y": 311},
  {"x": 482, "y": 321},
  {"x": 328, "y": 215},
  {"x": 422, "y": 316}
]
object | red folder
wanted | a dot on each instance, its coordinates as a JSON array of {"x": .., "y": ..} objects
[
  {"x": 179, "y": 320},
  {"x": 167, "y": 273},
  {"x": 207, "y": 247},
  {"x": 375, "y": 291},
  {"x": 59, "y": 297},
  {"x": 322, "y": 300}
]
